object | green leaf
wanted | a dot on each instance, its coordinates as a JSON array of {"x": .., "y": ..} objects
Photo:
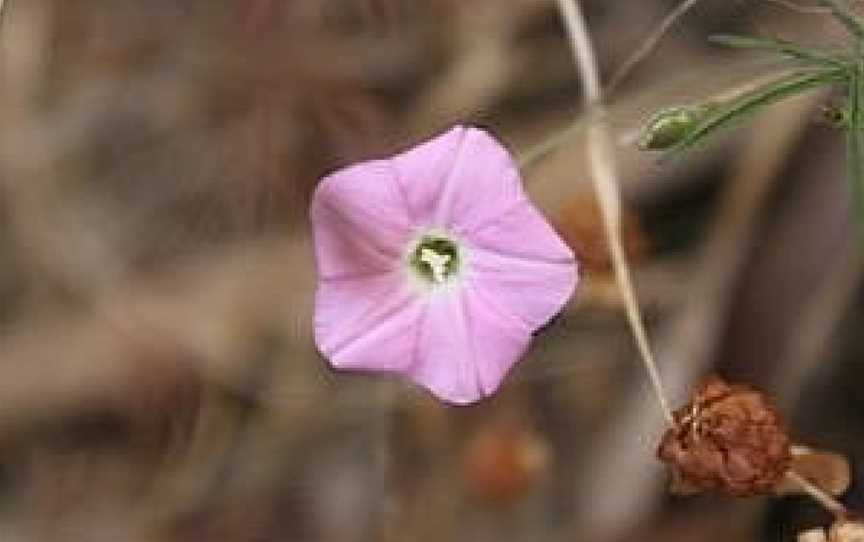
[
  {"x": 855, "y": 139},
  {"x": 785, "y": 48},
  {"x": 724, "y": 113},
  {"x": 841, "y": 11}
]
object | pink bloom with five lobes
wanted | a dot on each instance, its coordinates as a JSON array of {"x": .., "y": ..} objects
[{"x": 434, "y": 264}]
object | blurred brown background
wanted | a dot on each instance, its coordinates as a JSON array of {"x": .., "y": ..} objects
[{"x": 158, "y": 380}]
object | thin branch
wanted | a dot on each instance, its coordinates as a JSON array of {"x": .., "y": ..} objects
[
  {"x": 653, "y": 39},
  {"x": 822, "y": 497},
  {"x": 529, "y": 157},
  {"x": 807, "y": 10},
  {"x": 649, "y": 44},
  {"x": 605, "y": 178}
]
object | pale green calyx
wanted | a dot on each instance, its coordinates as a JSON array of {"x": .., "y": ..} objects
[{"x": 670, "y": 126}]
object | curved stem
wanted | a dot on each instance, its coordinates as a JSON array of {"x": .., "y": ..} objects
[{"x": 605, "y": 178}]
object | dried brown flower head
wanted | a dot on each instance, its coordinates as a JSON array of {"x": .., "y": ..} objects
[{"x": 730, "y": 439}]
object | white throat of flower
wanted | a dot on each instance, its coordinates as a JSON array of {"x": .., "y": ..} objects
[{"x": 435, "y": 259}]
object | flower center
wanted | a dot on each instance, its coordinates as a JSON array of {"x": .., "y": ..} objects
[{"x": 435, "y": 258}]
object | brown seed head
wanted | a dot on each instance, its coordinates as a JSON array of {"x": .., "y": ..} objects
[{"x": 729, "y": 439}]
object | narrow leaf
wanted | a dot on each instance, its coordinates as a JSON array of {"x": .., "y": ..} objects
[
  {"x": 752, "y": 101},
  {"x": 785, "y": 48}
]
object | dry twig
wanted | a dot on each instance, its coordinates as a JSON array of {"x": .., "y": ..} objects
[
  {"x": 605, "y": 178},
  {"x": 649, "y": 44}
]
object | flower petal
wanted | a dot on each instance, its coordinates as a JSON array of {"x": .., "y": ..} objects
[
  {"x": 423, "y": 170},
  {"x": 465, "y": 347},
  {"x": 483, "y": 184},
  {"x": 459, "y": 179},
  {"x": 360, "y": 221},
  {"x": 520, "y": 261},
  {"x": 367, "y": 323}
]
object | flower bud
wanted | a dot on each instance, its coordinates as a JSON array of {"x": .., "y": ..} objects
[{"x": 669, "y": 126}]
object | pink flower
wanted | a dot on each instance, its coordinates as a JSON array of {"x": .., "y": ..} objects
[{"x": 434, "y": 264}]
